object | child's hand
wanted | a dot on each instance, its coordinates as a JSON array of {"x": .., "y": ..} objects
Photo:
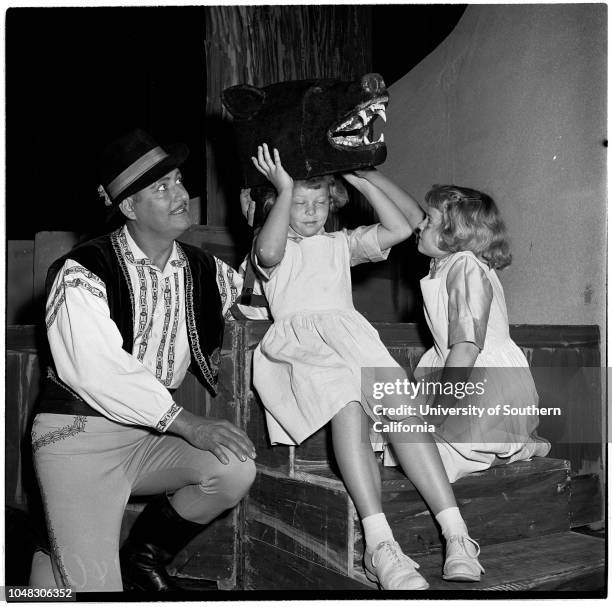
[
  {"x": 365, "y": 173},
  {"x": 248, "y": 205},
  {"x": 357, "y": 179},
  {"x": 272, "y": 169},
  {"x": 351, "y": 178}
]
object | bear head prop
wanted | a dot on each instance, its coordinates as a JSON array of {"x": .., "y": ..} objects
[{"x": 318, "y": 126}]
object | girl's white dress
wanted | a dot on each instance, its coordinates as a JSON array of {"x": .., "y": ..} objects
[
  {"x": 464, "y": 302},
  {"x": 308, "y": 365}
]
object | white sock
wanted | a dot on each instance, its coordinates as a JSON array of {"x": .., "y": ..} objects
[
  {"x": 376, "y": 529},
  {"x": 452, "y": 522}
]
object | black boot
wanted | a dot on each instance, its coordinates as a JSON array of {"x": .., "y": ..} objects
[{"x": 157, "y": 535}]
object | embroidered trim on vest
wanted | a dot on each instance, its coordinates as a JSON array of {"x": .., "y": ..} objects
[
  {"x": 54, "y": 436},
  {"x": 192, "y": 329},
  {"x": 119, "y": 242},
  {"x": 164, "y": 422},
  {"x": 221, "y": 282}
]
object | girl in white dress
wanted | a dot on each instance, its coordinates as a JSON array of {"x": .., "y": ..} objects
[
  {"x": 465, "y": 309},
  {"x": 307, "y": 368}
]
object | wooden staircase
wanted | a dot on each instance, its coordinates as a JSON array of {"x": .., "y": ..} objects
[{"x": 301, "y": 531}]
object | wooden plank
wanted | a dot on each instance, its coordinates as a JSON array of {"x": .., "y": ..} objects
[
  {"x": 529, "y": 564},
  {"x": 586, "y": 500},
  {"x": 49, "y": 246},
  {"x": 555, "y": 336},
  {"x": 523, "y": 499},
  {"x": 23, "y": 375},
  {"x": 316, "y": 449},
  {"x": 584, "y": 337},
  {"x": 22, "y": 337},
  {"x": 212, "y": 555},
  {"x": 268, "y": 567},
  {"x": 192, "y": 395},
  {"x": 277, "y": 457},
  {"x": 557, "y": 561},
  {"x": 270, "y": 532},
  {"x": 218, "y": 241},
  {"x": 313, "y": 516}
]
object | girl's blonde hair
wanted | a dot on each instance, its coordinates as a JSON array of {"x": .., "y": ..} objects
[
  {"x": 338, "y": 194},
  {"x": 471, "y": 222}
]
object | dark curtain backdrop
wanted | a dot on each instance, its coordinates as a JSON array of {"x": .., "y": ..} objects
[{"x": 77, "y": 77}]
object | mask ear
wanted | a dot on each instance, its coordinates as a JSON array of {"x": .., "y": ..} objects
[
  {"x": 243, "y": 100},
  {"x": 127, "y": 207}
]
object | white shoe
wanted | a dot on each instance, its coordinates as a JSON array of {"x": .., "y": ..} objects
[
  {"x": 461, "y": 564},
  {"x": 391, "y": 569}
]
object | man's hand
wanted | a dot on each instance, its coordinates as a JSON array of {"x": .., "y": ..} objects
[{"x": 214, "y": 435}]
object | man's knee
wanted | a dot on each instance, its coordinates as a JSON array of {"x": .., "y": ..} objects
[{"x": 235, "y": 479}]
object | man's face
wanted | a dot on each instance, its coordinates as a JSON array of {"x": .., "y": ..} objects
[{"x": 162, "y": 208}]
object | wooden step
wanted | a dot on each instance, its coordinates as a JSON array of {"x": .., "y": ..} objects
[
  {"x": 539, "y": 563},
  {"x": 565, "y": 561},
  {"x": 519, "y": 500},
  {"x": 311, "y": 515}
]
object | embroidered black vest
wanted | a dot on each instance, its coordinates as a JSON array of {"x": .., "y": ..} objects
[{"x": 203, "y": 311}]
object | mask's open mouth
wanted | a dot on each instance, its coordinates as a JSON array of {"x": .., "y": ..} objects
[{"x": 354, "y": 130}]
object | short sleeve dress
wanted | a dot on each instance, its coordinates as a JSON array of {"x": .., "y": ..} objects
[
  {"x": 464, "y": 302},
  {"x": 308, "y": 365}
]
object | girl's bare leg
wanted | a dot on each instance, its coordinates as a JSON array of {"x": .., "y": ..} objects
[
  {"x": 384, "y": 560},
  {"x": 420, "y": 460},
  {"x": 356, "y": 459}
]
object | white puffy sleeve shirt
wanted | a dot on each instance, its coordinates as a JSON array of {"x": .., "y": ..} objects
[{"x": 87, "y": 347}]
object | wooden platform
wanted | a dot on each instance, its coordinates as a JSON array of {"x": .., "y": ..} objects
[
  {"x": 307, "y": 527},
  {"x": 561, "y": 561}
]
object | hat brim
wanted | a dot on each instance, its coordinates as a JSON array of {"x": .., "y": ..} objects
[{"x": 177, "y": 154}]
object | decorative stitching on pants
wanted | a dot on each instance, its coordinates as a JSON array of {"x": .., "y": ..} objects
[{"x": 54, "y": 436}]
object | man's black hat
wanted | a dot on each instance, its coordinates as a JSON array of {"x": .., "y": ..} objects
[{"x": 135, "y": 161}]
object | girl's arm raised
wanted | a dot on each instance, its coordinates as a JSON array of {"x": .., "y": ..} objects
[
  {"x": 404, "y": 201},
  {"x": 394, "y": 227},
  {"x": 272, "y": 238}
]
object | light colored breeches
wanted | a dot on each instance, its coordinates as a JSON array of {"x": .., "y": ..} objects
[{"x": 88, "y": 467}]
